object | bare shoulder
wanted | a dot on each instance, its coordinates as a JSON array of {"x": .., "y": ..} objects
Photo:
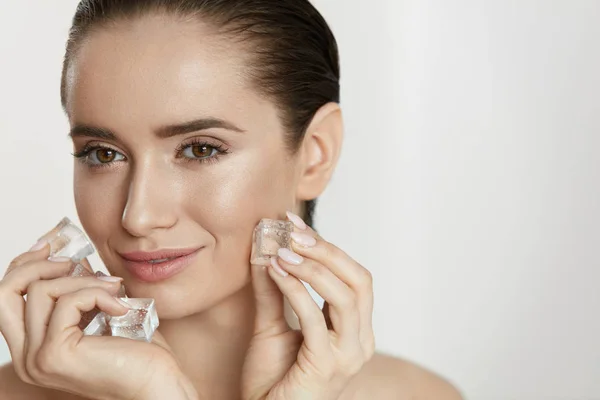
[
  {"x": 386, "y": 377},
  {"x": 13, "y": 388}
]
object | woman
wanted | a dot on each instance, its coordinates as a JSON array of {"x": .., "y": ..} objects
[{"x": 191, "y": 121}]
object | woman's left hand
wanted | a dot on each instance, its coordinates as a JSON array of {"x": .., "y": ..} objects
[{"x": 332, "y": 345}]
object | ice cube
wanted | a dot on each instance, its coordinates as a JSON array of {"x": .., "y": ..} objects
[
  {"x": 269, "y": 236},
  {"x": 67, "y": 240},
  {"x": 93, "y": 323},
  {"x": 139, "y": 323},
  {"x": 79, "y": 270}
]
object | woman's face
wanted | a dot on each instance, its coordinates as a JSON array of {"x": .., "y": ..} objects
[{"x": 178, "y": 152}]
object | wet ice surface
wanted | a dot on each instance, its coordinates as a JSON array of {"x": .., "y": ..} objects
[
  {"x": 93, "y": 323},
  {"x": 139, "y": 323},
  {"x": 67, "y": 240},
  {"x": 269, "y": 236},
  {"x": 79, "y": 270}
]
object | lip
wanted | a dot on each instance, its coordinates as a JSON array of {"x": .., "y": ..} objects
[{"x": 138, "y": 263}]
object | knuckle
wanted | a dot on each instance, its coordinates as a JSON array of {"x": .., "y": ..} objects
[
  {"x": 331, "y": 251},
  {"x": 94, "y": 292},
  {"x": 81, "y": 291},
  {"x": 297, "y": 289},
  {"x": 366, "y": 279},
  {"x": 35, "y": 288},
  {"x": 64, "y": 300},
  {"x": 315, "y": 271},
  {"x": 8, "y": 270},
  {"x": 18, "y": 261},
  {"x": 348, "y": 300}
]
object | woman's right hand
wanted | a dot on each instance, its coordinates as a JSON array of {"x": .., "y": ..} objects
[{"x": 49, "y": 350}]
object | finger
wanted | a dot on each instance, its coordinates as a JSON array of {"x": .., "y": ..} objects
[
  {"x": 12, "y": 304},
  {"x": 306, "y": 242},
  {"x": 354, "y": 275},
  {"x": 19, "y": 280},
  {"x": 12, "y": 327},
  {"x": 270, "y": 317},
  {"x": 42, "y": 298},
  {"x": 310, "y": 317},
  {"x": 37, "y": 253},
  {"x": 344, "y": 315},
  {"x": 64, "y": 320},
  {"x": 336, "y": 260},
  {"x": 358, "y": 278}
]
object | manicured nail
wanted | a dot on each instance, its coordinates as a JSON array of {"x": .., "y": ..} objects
[
  {"x": 110, "y": 279},
  {"x": 289, "y": 256},
  {"x": 121, "y": 302},
  {"x": 296, "y": 220},
  {"x": 277, "y": 267},
  {"x": 59, "y": 259},
  {"x": 303, "y": 239},
  {"x": 39, "y": 245}
]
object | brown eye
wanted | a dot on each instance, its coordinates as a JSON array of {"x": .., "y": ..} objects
[
  {"x": 106, "y": 155},
  {"x": 202, "y": 151},
  {"x": 102, "y": 156},
  {"x": 199, "y": 151}
]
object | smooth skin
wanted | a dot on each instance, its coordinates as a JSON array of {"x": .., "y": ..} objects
[{"x": 150, "y": 179}]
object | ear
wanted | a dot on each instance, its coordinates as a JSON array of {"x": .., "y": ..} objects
[{"x": 321, "y": 150}]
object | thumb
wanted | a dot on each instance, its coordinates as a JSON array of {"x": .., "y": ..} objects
[{"x": 270, "y": 316}]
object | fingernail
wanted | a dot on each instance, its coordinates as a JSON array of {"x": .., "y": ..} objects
[
  {"x": 121, "y": 302},
  {"x": 59, "y": 259},
  {"x": 39, "y": 245},
  {"x": 289, "y": 256},
  {"x": 110, "y": 279},
  {"x": 277, "y": 267},
  {"x": 296, "y": 220},
  {"x": 303, "y": 239}
]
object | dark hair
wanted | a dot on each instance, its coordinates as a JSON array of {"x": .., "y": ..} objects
[{"x": 294, "y": 55}]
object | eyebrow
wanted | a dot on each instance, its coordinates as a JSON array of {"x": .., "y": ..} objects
[{"x": 80, "y": 130}]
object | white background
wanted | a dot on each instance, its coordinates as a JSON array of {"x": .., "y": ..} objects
[{"x": 468, "y": 183}]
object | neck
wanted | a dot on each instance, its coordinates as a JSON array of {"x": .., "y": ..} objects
[{"x": 210, "y": 346}]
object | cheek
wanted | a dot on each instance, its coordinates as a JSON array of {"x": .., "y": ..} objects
[
  {"x": 98, "y": 203},
  {"x": 232, "y": 201}
]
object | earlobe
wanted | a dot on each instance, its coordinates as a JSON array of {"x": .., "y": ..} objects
[{"x": 321, "y": 147}]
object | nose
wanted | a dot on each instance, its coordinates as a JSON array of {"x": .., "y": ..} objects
[{"x": 150, "y": 204}]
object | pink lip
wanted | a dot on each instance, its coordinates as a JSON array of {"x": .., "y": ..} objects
[{"x": 139, "y": 265}]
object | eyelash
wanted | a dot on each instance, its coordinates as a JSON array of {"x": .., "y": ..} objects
[
  {"x": 82, "y": 156},
  {"x": 220, "y": 151},
  {"x": 220, "y": 148}
]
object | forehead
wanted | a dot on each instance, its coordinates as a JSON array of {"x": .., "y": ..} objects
[{"x": 159, "y": 68}]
